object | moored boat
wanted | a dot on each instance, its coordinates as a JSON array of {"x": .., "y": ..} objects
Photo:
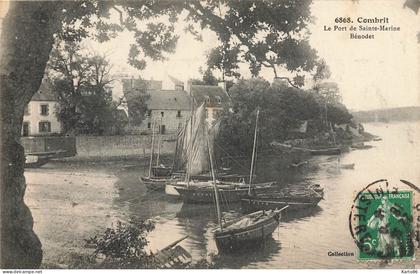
[
  {"x": 161, "y": 171},
  {"x": 296, "y": 200},
  {"x": 34, "y": 161},
  {"x": 229, "y": 192},
  {"x": 155, "y": 184},
  {"x": 361, "y": 146},
  {"x": 326, "y": 151},
  {"x": 250, "y": 229}
]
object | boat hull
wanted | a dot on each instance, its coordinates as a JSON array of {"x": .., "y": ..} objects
[
  {"x": 328, "y": 151},
  {"x": 159, "y": 171},
  {"x": 238, "y": 239},
  {"x": 35, "y": 161},
  {"x": 155, "y": 184},
  {"x": 227, "y": 193},
  {"x": 255, "y": 204}
]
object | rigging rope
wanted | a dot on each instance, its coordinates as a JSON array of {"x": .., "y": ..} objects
[{"x": 229, "y": 156}]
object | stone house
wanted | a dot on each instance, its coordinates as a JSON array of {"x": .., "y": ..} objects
[
  {"x": 214, "y": 98},
  {"x": 172, "y": 108},
  {"x": 40, "y": 116},
  {"x": 167, "y": 108}
]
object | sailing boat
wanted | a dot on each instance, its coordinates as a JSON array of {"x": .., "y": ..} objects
[
  {"x": 249, "y": 229},
  {"x": 155, "y": 180},
  {"x": 191, "y": 154},
  {"x": 230, "y": 191},
  {"x": 274, "y": 200}
]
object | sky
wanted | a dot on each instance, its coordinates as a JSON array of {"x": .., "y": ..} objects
[{"x": 371, "y": 74}]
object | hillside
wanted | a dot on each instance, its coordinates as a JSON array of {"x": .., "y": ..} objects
[{"x": 388, "y": 115}]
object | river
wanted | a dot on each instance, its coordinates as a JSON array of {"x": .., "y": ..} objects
[{"x": 303, "y": 239}]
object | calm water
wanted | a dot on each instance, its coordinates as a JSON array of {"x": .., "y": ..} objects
[{"x": 303, "y": 239}]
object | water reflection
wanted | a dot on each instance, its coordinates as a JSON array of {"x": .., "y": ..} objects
[{"x": 290, "y": 216}]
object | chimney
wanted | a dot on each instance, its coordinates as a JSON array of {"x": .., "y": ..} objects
[
  {"x": 222, "y": 85},
  {"x": 283, "y": 83}
]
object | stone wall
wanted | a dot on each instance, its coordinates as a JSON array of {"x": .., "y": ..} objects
[{"x": 121, "y": 146}]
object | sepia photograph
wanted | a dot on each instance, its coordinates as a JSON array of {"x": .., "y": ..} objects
[{"x": 210, "y": 134}]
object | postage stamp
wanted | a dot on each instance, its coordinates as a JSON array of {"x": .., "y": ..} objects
[{"x": 384, "y": 222}]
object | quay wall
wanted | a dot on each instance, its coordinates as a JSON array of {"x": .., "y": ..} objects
[{"x": 103, "y": 147}]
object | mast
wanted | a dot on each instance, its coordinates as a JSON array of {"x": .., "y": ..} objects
[
  {"x": 187, "y": 177},
  {"x": 253, "y": 152},
  {"x": 152, "y": 149},
  {"x": 216, "y": 192},
  {"x": 159, "y": 138}
]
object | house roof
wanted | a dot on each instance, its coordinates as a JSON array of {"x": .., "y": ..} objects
[
  {"x": 176, "y": 81},
  {"x": 128, "y": 84},
  {"x": 213, "y": 93},
  {"x": 45, "y": 92},
  {"x": 169, "y": 100}
]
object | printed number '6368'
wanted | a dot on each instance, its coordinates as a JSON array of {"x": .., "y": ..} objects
[{"x": 343, "y": 20}]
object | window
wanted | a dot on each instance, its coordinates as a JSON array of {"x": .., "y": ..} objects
[
  {"x": 44, "y": 110},
  {"x": 162, "y": 113},
  {"x": 149, "y": 113},
  {"x": 219, "y": 100},
  {"x": 207, "y": 99},
  {"x": 149, "y": 125},
  {"x": 44, "y": 127},
  {"x": 25, "y": 129},
  {"x": 26, "y": 110},
  {"x": 178, "y": 114}
]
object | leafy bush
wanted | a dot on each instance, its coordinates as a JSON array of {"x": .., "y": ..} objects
[{"x": 124, "y": 246}]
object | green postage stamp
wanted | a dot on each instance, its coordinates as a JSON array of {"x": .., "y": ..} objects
[{"x": 385, "y": 225}]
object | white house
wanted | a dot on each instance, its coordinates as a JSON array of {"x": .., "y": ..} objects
[{"x": 40, "y": 117}]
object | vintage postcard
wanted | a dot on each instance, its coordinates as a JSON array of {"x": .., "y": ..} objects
[{"x": 210, "y": 134}]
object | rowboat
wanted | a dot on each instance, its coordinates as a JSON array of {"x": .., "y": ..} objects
[
  {"x": 34, "y": 161},
  {"x": 172, "y": 256},
  {"x": 347, "y": 166},
  {"x": 361, "y": 146},
  {"x": 250, "y": 229}
]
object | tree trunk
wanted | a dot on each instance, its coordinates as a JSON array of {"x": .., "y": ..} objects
[{"x": 26, "y": 42}]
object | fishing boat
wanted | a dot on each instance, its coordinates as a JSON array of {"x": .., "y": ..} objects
[
  {"x": 250, "y": 229},
  {"x": 158, "y": 175},
  {"x": 191, "y": 155},
  {"x": 229, "y": 192},
  {"x": 296, "y": 200}
]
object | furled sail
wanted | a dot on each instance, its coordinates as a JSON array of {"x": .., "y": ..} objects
[
  {"x": 191, "y": 149},
  {"x": 198, "y": 159}
]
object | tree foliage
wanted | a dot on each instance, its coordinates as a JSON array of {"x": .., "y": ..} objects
[
  {"x": 135, "y": 100},
  {"x": 271, "y": 34},
  {"x": 282, "y": 109},
  {"x": 81, "y": 83}
]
